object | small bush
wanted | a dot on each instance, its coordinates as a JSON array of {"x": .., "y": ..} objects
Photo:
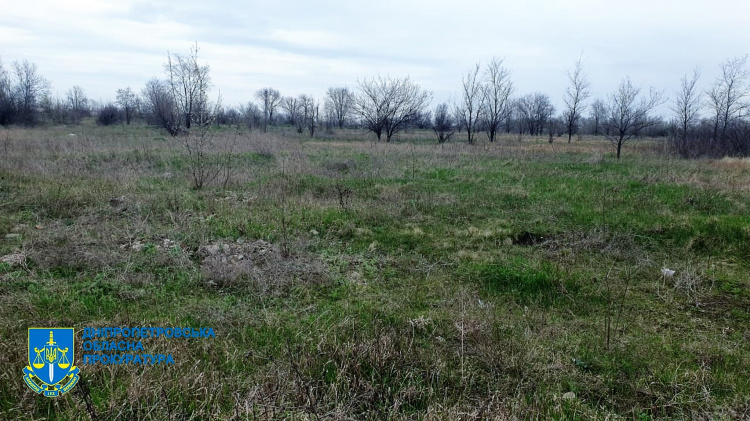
[{"x": 108, "y": 115}]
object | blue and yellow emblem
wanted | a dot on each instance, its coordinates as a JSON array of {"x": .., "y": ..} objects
[{"x": 51, "y": 358}]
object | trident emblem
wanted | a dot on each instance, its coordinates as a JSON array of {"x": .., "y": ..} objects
[{"x": 51, "y": 353}]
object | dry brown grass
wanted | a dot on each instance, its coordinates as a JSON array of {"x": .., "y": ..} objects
[{"x": 737, "y": 164}]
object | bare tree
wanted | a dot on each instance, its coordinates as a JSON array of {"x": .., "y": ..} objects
[
  {"x": 54, "y": 110},
  {"x": 598, "y": 114},
  {"x": 189, "y": 83},
  {"x": 251, "y": 115},
  {"x": 291, "y": 107},
  {"x": 421, "y": 120},
  {"x": 303, "y": 108},
  {"x": 442, "y": 123},
  {"x": 536, "y": 110},
  {"x": 339, "y": 103},
  {"x": 515, "y": 120},
  {"x": 387, "y": 105},
  {"x": 229, "y": 116},
  {"x": 6, "y": 97},
  {"x": 469, "y": 109},
  {"x": 553, "y": 128},
  {"x": 29, "y": 89},
  {"x": 629, "y": 113},
  {"x": 310, "y": 112},
  {"x": 128, "y": 100},
  {"x": 78, "y": 104},
  {"x": 575, "y": 95},
  {"x": 269, "y": 100},
  {"x": 496, "y": 91},
  {"x": 727, "y": 96},
  {"x": 160, "y": 107},
  {"x": 687, "y": 106},
  {"x": 181, "y": 101}
]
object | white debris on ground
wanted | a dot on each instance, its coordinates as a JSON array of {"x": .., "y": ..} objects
[
  {"x": 667, "y": 273},
  {"x": 569, "y": 396}
]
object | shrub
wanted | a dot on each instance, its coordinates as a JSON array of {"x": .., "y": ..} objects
[{"x": 108, "y": 115}]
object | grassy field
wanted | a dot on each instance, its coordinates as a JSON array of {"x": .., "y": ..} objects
[{"x": 348, "y": 279}]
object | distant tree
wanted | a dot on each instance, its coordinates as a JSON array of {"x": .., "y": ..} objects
[
  {"x": 128, "y": 101},
  {"x": 727, "y": 99},
  {"x": 328, "y": 120},
  {"x": 189, "y": 82},
  {"x": 229, "y": 116},
  {"x": 77, "y": 104},
  {"x": 442, "y": 123},
  {"x": 108, "y": 115},
  {"x": 421, "y": 120},
  {"x": 629, "y": 113},
  {"x": 313, "y": 119},
  {"x": 535, "y": 110},
  {"x": 29, "y": 89},
  {"x": 269, "y": 100},
  {"x": 55, "y": 110},
  {"x": 160, "y": 106},
  {"x": 339, "y": 103},
  {"x": 496, "y": 104},
  {"x": 180, "y": 102},
  {"x": 575, "y": 95},
  {"x": 7, "y": 106},
  {"x": 598, "y": 114},
  {"x": 554, "y": 125},
  {"x": 387, "y": 105},
  {"x": 251, "y": 115},
  {"x": 469, "y": 109},
  {"x": 309, "y": 113},
  {"x": 686, "y": 106},
  {"x": 515, "y": 121},
  {"x": 303, "y": 108},
  {"x": 290, "y": 105}
]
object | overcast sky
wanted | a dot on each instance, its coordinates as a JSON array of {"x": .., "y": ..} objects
[{"x": 307, "y": 46}]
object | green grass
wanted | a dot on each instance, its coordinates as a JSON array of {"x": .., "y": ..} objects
[{"x": 401, "y": 281}]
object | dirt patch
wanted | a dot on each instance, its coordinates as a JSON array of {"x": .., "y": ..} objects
[{"x": 258, "y": 265}]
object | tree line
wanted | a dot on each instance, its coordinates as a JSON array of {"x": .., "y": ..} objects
[{"x": 702, "y": 123}]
